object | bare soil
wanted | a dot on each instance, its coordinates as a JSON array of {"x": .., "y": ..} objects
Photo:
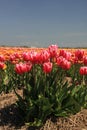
[{"x": 10, "y": 119}]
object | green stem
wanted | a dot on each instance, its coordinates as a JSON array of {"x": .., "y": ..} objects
[{"x": 83, "y": 80}]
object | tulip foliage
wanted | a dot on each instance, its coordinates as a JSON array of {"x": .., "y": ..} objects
[{"x": 53, "y": 81}]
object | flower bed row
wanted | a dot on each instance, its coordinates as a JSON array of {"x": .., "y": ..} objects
[{"x": 42, "y": 75}]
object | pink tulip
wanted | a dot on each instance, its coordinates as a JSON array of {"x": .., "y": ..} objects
[
  {"x": 1, "y": 65},
  {"x": 63, "y": 63},
  {"x": 79, "y": 54},
  {"x": 34, "y": 57},
  {"x": 12, "y": 57},
  {"x": 44, "y": 56},
  {"x": 22, "y": 68},
  {"x": 53, "y": 50},
  {"x": 17, "y": 55},
  {"x": 28, "y": 67},
  {"x": 59, "y": 60},
  {"x": 66, "y": 65},
  {"x": 26, "y": 56},
  {"x": 83, "y": 70},
  {"x": 85, "y": 60},
  {"x": 2, "y": 58},
  {"x": 47, "y": 67},
  {"x": 65, "y": 54}
]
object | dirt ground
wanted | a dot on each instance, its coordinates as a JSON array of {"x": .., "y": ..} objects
[{"x": 11, "y": 120}]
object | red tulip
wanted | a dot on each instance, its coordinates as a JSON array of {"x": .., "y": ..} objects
[
  {"x": 32, "y": 56},
  {"x": 79, "y": 54},
  {"x": 63, "y": 63},
  {"x": 12, "y": 57},
  {"x": 44, "y": 56},
  {"x": 17, "y": 55},
  {"x": 1, "y": 65},
  {"x": 2, "y": 58},
  {"x": 85, "y": 60},
  {"x": 22, "y": 68},
  {"x": 28, "y": 67},
  {"x": 66, "y": 65},
  {"x": 83, "y": 70},
  {"x": 59, "y": 60},
  {"x": 65, "y": 54},
  {"x": 18, "y": 68},
  {"x": 26, "y": 56},
  {"x": 47, "y": 67},
  {"x": 62, "y": 52},
  {"x": 53, "y": 49},
  {"x": 75, "y": 60}
]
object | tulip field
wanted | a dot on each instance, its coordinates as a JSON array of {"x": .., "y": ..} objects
[{"x": 53, "y": 81}]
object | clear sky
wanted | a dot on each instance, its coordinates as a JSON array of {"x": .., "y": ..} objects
[{"x": 43, "y": 22}]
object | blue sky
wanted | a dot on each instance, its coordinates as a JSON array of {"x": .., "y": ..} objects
[{"x": 43, "y": 22}]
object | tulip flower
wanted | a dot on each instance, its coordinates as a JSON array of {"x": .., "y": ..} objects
[
  {"x": 28, "y": 67},
  {"x": 85, "y": 60},
  {"x": 12, "y": 58},
  {"x": 47, "y": 67},
  {"x": 44, "y": 56},
  {"x": 17, "y": 55},
  {"x": 79, "y": 54},
  {"x": 63, "y": 63},
  {"x": 2, "y": 58},
  {"x": 31, "y": 56},
  {"x": 83, "y": 70},
  {"x": 22, "y": 68},
  {"x": 66, "y": 65},
  {"x": 53, "y": 49},
  {"x": 65, "y": 54},
  {"x": 1, "y": 65},
  {"x": 26, "y": 56}
]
